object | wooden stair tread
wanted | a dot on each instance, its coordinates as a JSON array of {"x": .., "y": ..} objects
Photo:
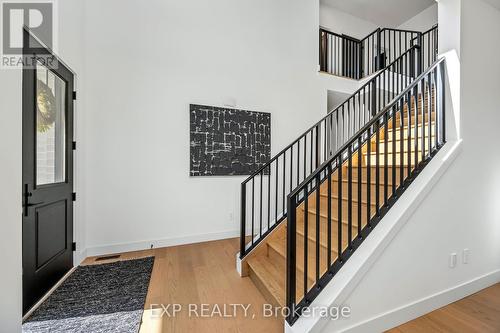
[
  {"x": 271, "y": 274},
  {"x": 269, "y": 267}
]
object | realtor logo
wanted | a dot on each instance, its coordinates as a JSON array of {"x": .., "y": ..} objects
[{"x": 36, "y": 16}]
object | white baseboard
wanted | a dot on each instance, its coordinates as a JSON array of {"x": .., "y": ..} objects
[
  {"x": 403, "y": 314},
  {"x": 79, "y": 256},
  {"x": 156, "y": 243}
]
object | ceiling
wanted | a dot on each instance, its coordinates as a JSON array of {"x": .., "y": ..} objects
[
  {"x": 494, "y": 3},
  {"x": 384, "y": 13}
]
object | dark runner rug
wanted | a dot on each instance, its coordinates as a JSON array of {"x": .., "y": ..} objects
[{"x": 96, "y": 298}]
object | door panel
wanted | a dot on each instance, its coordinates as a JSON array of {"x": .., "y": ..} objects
[
  {"x": 47, "y": 174},
  {"x": 50, "y": 235}
]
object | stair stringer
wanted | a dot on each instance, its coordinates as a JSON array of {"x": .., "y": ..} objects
[{"x": 353, "y": 271}]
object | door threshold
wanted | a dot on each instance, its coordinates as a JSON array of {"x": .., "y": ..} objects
[{"x": 37, "y": 304}]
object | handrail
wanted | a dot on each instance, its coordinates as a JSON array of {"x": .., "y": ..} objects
[
  {"x": 259, "y": 170},
  {"x": 264, "y": 192},
  {"x": 367, "y": 126},
  {"x": 417, "y": 133}
]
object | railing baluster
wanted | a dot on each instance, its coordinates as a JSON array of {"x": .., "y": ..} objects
[
  {"x": 284, "y": 181},
  {"x": 329, "y": 216},
  {"x": 291, "y": 267},
  {"x": 269, "y": 199},
  {"x": 276, "y": 192},
  {"x": 260, "y": 204},
  {"x": 339, "y": 207},
  {"x": 305, "y": 156},
  {"x": 443, "y": 103},
  {"x": 415, "y": 144},
  {"x": 311, "y": 153},
  {"x": 429, "y": 111},
  {"x": 253, "y": 207},
  {"x": 291, "y": 168},
  {"x": 422, "y": 94},
  {"x": 394, "y": 152},
  {"x": 401, "y": 141},
  {"x": 349, "y": 196},
  {"x": 368, "y": 177},
  {"x": 377, "y": 168},
  {"x": 360, "y": 174},
  {"x": 243, "y": 215},
  {"x": 409, "y": 106},
  {"x": 318, "y": 211},
  {"x": 298, "y": 163},
  {"x": 306, "y": 239},
  {"x": 386, "y": 155}
]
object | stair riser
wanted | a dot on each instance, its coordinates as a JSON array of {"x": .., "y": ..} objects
[
  {"x": 262, "y": 286},
  {"x": 364, "y": 191},
  {"x": 398, "y": 159},
  {"x": 324, "y": 231},
  {"x": 405, "y": 147},
  {"x": 280, "y": 254},
  {"x": 364, "y": 173},
  {"x": 397, "y": 133}
]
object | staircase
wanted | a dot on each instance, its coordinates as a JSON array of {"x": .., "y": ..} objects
[{"x": 337, "y": 181}]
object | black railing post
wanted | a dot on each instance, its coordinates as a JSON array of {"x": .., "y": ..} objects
[
  {"x": 291, "y": 257},
  {"x": 323, "y": 50},
  {"x": 441, "y": 69},
  {"x": 412, "y": 63},
  {"x": 379, "y": 47},
  {"x": 243, "y": 218},
  {"x": 374, "y": 98},
  {"x": 420, "y": 54},
  {"x": 317, "y": 157},
  {"x": 361, "y": 70}
]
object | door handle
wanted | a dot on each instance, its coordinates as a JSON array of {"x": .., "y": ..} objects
[
  {"x": 26, "y": 204},
  {"x": 35, "y": 203}
]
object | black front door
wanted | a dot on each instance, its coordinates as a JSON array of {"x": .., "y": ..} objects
[{"x": 47, "y": 172}]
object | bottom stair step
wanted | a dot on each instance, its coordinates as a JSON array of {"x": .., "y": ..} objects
[{"x": 269, "y": 275}]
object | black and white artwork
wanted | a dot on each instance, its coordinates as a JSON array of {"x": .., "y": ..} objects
[{"x": 228, "y": 141}]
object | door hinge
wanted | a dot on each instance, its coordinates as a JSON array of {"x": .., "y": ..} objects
[
  {"x": 73, "y": 196},
  {"x": 74, "y": 95},
  {"x": 74, "y": 145},
  {"x": 73, "y": 246}
]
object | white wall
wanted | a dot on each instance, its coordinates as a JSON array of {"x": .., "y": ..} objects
[
  {"x": 146, "y": 64},
  {"x": 462, "y": 210},
  {"x": 449, "y": 15},
  {"x": 423, "y": 20},
  {"x": 10, "y": 200},
  {"x": 340, "y": 22}
]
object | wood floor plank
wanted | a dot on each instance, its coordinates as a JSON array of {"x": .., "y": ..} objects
[
  {"x": 202, "y": 273},
  {"x": 479, "y": 312}
]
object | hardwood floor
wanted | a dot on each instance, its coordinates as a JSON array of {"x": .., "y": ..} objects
[
  {"x": 477, "y": 313},
  {"x": 205, "y": 273},
  {"x": 202, "y": 273}
]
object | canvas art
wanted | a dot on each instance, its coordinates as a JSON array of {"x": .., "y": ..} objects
[{"x": 228, "y": 141}]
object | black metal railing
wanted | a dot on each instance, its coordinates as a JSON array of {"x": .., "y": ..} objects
[
  {"x": 264, "y": 193},
  {"x": 346, "y": 56},
  {"x": 337, "y": 206},
  {"x": 430, "y": 44}
]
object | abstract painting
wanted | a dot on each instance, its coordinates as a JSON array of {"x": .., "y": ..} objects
[{"x": 228, "y": 141}]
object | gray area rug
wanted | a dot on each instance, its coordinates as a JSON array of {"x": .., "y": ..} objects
[{"x": 96, "y": 298}]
